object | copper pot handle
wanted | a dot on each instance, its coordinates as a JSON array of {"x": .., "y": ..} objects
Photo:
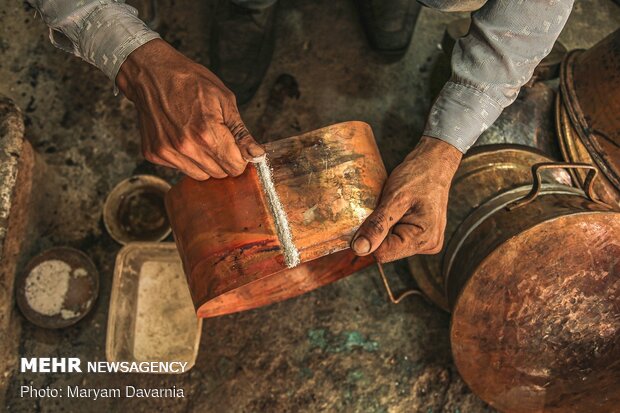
[
  {"x": 537, "y": 182},
  {"x": 386, "y": 284}
]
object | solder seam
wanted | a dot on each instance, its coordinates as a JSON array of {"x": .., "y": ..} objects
[{"x": 283, "y": 230}]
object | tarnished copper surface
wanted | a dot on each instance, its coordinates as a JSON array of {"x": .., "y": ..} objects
[
  {"x": 328, "y": 182},
  {"x": 536, "y": 293},
  {"x": 590, "y": 86},
  {"x": 483, "y": 173},
  {"x": 573, "y": 150},
  {"x": 284, "y": 284}
]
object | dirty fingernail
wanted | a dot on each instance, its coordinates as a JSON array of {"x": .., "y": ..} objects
[
  {"x": 258, "y": 159},
  {"x": 361, "y": 245},
  {"x": 256, "y": 151}
]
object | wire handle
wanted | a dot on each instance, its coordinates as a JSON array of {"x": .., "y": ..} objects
[
  {"x": 537, "y": 182},
  {"x": 393, "y": 299}
]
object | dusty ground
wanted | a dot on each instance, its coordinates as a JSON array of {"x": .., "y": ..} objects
[{"x": 342, "y": 348}]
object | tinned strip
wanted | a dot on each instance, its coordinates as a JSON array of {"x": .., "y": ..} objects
[{"x": 283, "y": 230}]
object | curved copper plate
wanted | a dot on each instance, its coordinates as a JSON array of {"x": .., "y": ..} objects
[
  {"x": 328, "y": 181},
  {"x": 285, "y": 284}
]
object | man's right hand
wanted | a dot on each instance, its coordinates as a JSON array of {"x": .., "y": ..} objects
[{"x": 188, "y": 119}]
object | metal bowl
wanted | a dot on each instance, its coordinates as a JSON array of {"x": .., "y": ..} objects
[
  {"x": 57, "y": 288},
  {"x": 135, "y": 211}
]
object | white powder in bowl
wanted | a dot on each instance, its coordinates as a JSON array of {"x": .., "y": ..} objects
[{"x": 47, "y": 285}]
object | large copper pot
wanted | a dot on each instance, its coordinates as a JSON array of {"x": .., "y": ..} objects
[
  {"x": 533, "y": 279},
  {"x": 588, "y": 116},
  {"x": 234, "y": 255},
  {"x": 483, "y": 173}
]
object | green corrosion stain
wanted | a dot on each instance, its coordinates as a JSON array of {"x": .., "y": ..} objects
[
  {"x": 345, "y": 342},
  {"x": 354, "y": 339},
  {"x": 318, "y": 338}
]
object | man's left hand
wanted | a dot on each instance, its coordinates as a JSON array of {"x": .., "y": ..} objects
[{"x": 411, "y": 216}]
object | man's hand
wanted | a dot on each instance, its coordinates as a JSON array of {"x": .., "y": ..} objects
[
  {"x": 411, "y": 216},
  {"x": 188, "y": 119}
]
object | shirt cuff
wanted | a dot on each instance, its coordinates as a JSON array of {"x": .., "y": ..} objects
[
  {"x": 460, "y": 114},
  {"x": 109, "y": 34}
]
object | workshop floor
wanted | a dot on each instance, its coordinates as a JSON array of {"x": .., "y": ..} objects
[{"x": 342, "y": 348}]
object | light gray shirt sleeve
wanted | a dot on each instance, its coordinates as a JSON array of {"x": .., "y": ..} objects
[
  {"x": 507, "y": 40},
  {"x": 102, "y": 32}
]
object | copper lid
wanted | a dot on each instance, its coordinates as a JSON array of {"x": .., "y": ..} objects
[{"x": 534, "y": 284}]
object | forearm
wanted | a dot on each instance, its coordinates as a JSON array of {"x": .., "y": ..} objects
[
  {"x": 506, "y": 42},
  {"x": 101, "y": 32}
]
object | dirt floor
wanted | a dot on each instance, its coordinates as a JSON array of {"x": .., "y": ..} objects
[{"x": 342, "y": 348}]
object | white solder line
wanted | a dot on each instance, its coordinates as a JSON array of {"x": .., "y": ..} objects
[{"x": 283, "y": 230}]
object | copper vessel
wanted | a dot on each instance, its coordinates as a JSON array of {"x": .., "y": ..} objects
[
  {"x": 229, "y": 233},
  {"x": 588, "y": 117},
  {"x": 483, "y": 173},
  {"x": 533, "y": 281}
]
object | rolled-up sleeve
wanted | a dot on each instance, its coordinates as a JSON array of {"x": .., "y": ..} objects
[
  {"x": 102, "y": 32},
  {"x": 506, "y": 41}
]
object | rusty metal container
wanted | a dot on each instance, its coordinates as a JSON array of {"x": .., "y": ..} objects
[
  {"x": 483, "y": 173},
  {"x": 533, "y": 281},
  {"x": 230, "y": 235},
  {"x": 588, "y": 116}
]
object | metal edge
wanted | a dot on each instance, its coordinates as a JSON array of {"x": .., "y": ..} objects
[
  {"x": 107, "y": 206},
  {"x": 22, "y": 275},
  {"x": 577, "y": 117},
  {"x": 474, "y": 220}
]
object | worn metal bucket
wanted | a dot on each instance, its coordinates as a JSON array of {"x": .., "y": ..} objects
[
  {"x": 588, "y": 116},
  {"x": 533, "y": 281},
  {"x": 483, "y": 173},
  {"x": 246, "y": 243}
]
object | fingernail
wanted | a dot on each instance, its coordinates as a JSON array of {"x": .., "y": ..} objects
[
  {"x": 258, "y": 159},
  {"x": 256, "y": 151},
  {"x": 361, "y": 245}
]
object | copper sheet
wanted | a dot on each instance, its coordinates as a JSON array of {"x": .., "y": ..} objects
[{"x": 328, "y": 182}]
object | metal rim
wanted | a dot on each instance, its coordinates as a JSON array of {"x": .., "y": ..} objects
[
  {"x": 475, "y": 219},
  {"x": 578, "y": 118},
  {"x": 112, "y": 204}
]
